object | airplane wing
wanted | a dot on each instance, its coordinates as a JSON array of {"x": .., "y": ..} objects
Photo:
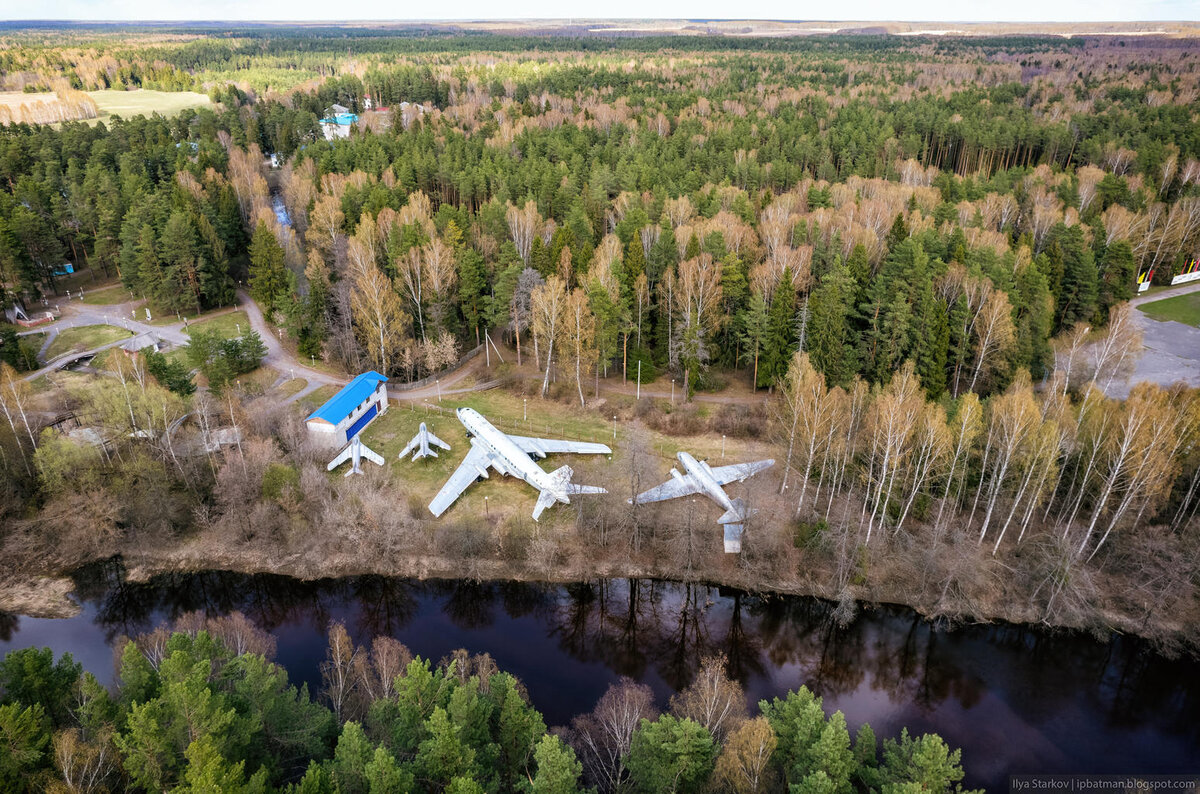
[
  {"x": 671, "y": 489},
  {"x": 740, "y": 471},
  {"x": 342, "y": 457},
  {"x": 474, "y": 465},
  {"x": 545, "y": 446},
  {"x": 371, "y": 455},
  {"x": 436, "y": 441},
  {"x": 411, "y": 447}
]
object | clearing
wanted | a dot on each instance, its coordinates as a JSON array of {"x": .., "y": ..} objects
[
  {"x": 508, "y": 497},
  {"x": 108, "y": 296},
  {"x": 84, "y": 337},
  {"x": 144, "y": 103},
  {"x": 228, "y": 325},
  {"x": 1182, "y": 309}
]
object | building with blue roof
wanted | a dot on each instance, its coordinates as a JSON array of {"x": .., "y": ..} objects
[{"x": 346, "y": 413}]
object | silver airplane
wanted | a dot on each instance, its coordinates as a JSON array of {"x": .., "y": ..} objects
[
  {"x": 703, "y": 479},
  {"x": 354, "y": 453},
  {"x": 513, "y": 455},
  {"x": 421, "y": 442}
]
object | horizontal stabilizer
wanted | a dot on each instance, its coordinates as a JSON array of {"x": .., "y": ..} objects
[
  {"x": 545, "y": 499},
  {"x": 737, "y": 515}
]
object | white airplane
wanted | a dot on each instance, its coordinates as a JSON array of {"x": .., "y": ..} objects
[
  {"x": 420, "y": 443},
  {"x": 354, "y": 453},
  {"x": 703, "y": 479},
  {"x": 513, "y": 455}
]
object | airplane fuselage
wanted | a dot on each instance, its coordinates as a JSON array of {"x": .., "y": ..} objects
[
  {"x": 703, "y": 474},
  {"x": 506, "y": 456}
]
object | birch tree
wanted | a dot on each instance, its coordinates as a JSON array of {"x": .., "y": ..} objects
[
  {"x": 579, "y": 337},
  {"x": 381, "y": 323},
  {"x": 548, "y": 304}
]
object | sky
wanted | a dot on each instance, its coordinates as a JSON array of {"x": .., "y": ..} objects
[{"x": 323, "y": 10}]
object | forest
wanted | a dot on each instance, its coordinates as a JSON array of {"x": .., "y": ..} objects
[
  {"x": 915, "y": 255},
  {"x": 200, "y": 706}
]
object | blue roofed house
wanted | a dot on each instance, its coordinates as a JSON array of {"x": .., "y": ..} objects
[{"x": 350, "y": 410}]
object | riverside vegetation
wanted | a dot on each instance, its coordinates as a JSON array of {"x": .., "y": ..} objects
[
  {"x": 919, "y": 252},
  {"x": 201, "y": 707}
]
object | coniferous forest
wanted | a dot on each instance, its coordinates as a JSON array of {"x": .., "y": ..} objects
[{"x": 900, "y": 266}]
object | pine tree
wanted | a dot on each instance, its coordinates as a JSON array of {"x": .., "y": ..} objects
[
  {"x": 780, "y": 338},
  {"x": 268, "y": 273},
  {"x": 754, "y": 325},
  {"x": 830, "y": 331}
]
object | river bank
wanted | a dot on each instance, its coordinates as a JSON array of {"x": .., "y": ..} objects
[
  {"x": 1015, "y": 699},
  {"x": 48, "y": 593}
]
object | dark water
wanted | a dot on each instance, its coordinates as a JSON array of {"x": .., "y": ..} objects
[{"x": 1016, "y": 700}]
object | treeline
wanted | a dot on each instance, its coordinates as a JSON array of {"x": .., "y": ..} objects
[
  {"x": 147, "y": 199},
  {"x": 203, "y": 708}
]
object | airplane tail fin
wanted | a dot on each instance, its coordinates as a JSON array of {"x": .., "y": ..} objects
[
  {"x": 737, "y": 515},
  {"x": 732, "y": 519},
  {"x": 562, "y": 476}
]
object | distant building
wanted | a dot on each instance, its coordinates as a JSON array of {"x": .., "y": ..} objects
[
  {"x": 338, "y": 124},
  {"x": 350, "y": 410}
]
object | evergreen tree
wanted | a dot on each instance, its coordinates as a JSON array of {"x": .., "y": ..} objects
[
  {"x": 780, "y": 340},
  {"x": 830, "y": 330},
  {"x": 671, "y": 754},
  {"x": 268, "y": 273}
]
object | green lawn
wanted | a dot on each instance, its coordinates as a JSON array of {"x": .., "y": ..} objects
[
  {"x": 290, "y": 387},
  {"x": 226, "y": 324},
  {"x": 85, "y": 337},
  {"x": 1182, "y": 309},
  {"x": 106, "y": 296}
]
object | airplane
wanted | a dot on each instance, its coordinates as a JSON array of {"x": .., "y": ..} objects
[
  {"x": 354, "y": 453},
  {"x": 514, "y": 455},
  {"x": 703, "y": 479},
  {"x": 421, "y": 442}
]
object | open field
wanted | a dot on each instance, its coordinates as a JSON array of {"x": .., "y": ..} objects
[
  {"x": 1182, "y": 309},
  {"x": 420, "y": 480},
  {"x": 117, "y": 103},
  {"x": 85, "y": 337},
  {"x": 226, "y": 324},
  {"x": 107, "y": 296},
  {"x": 145, "y": 103}
]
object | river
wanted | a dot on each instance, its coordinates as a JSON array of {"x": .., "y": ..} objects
[{"x": 1017, "y": 700}]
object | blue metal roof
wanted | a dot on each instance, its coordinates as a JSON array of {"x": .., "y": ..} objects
[{"x": 350, "y": 397}]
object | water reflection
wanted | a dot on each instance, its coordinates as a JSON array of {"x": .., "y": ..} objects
[{"x": 1016, "y": 699}]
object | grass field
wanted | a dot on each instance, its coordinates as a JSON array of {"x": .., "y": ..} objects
[
  {"x": 226, "y": 324},
  {"x": 126, "y": 104},
  {"x": 1182, "y": 309},
  {"x": 107, "y": 296},
  {"x": 133, "y": 103},
  {"x": 85, "y": 337},
  {"x": 290, "y": 387}
]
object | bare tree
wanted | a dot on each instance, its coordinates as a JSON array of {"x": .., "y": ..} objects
[
  {"x": 602, "y": 737},
  {"x": 712, "y": 699}
]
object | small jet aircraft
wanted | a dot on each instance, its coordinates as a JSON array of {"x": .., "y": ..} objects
[
  {"x": 513, "y": 455},
  {"x": 421, "y": 442},
  {"x": 703, "y": 479},
  {"x": 354, "y": 453}
]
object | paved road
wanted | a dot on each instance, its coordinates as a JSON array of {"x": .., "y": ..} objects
[
  {"x": 1171, "y": 350},
  {"x": 75, "y": 314}
]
